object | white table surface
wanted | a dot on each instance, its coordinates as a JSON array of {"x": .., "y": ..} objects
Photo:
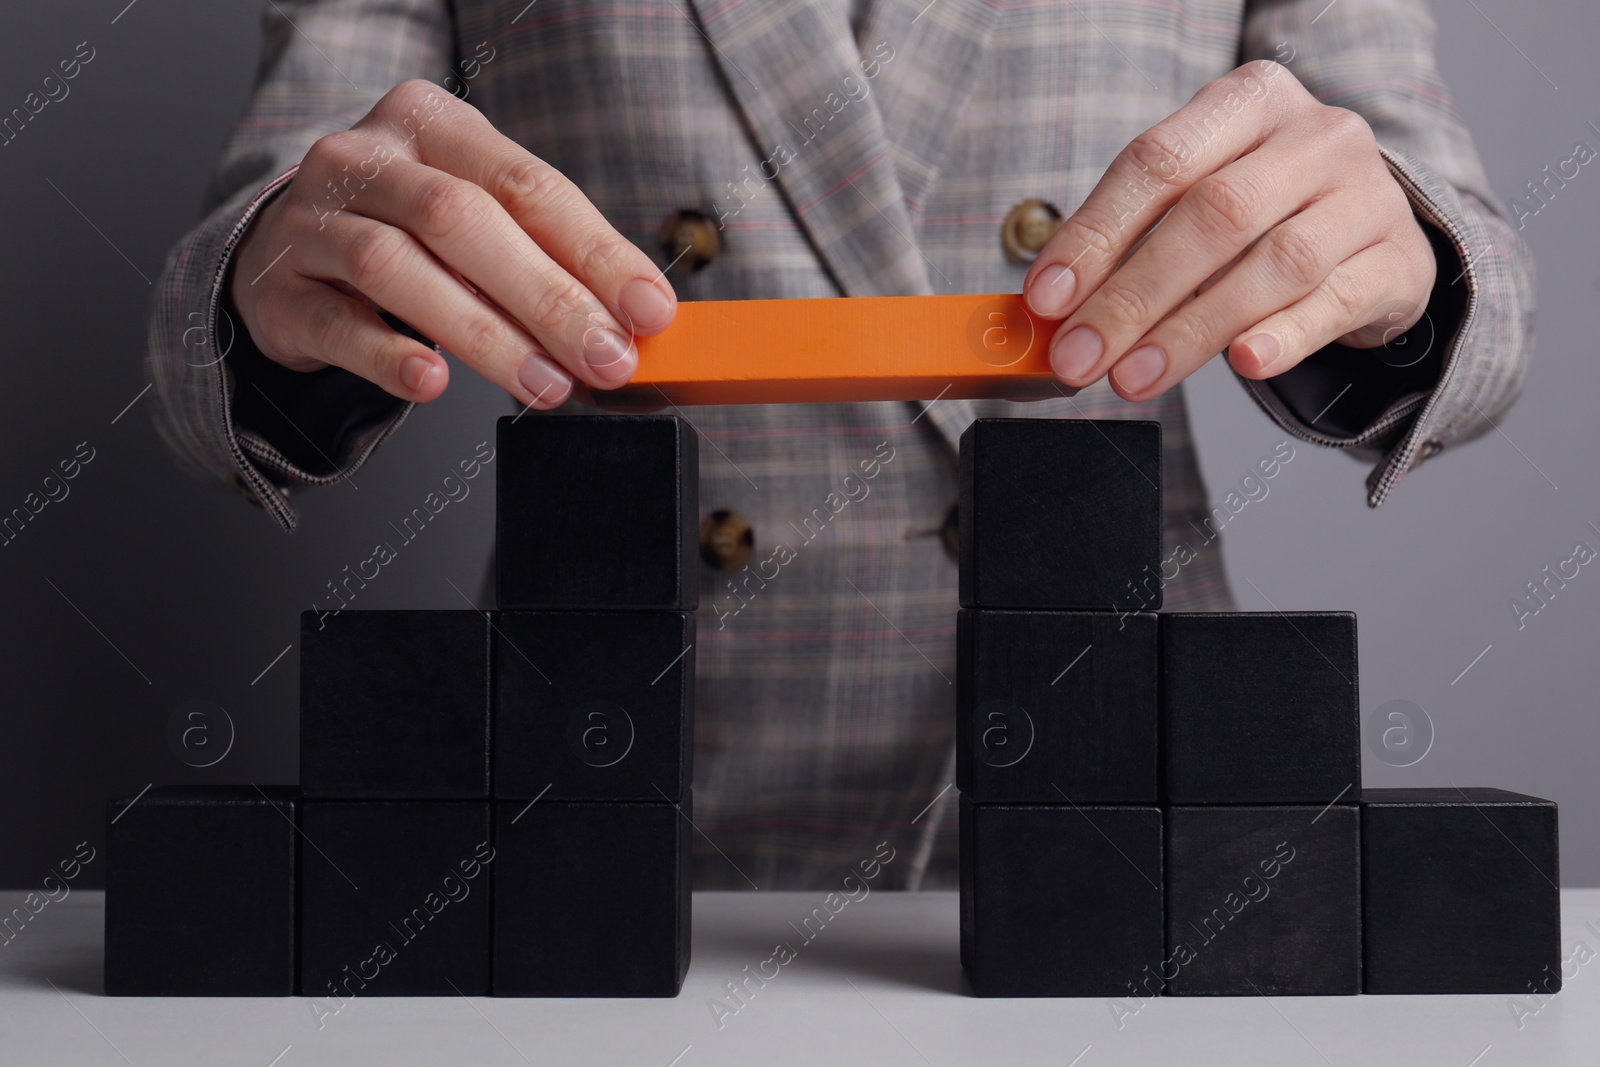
[{"x": 881, "y": 985}]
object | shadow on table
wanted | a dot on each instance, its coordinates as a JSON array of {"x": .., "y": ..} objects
[
  {"x": 885, "y": 955},
  {"x": 70, "y": 969},
  {"x": 62, "y": 946},
  {"x": 936, "y": 971}
]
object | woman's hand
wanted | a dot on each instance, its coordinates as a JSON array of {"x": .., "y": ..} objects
[
  {"x": 428, "y": 212},
  {"x": 1281, "y": 231}
]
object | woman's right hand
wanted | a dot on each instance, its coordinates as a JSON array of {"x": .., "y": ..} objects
[{"x": 423, "y": 209}]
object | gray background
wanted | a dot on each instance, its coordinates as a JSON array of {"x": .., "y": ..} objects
[{"x": 142, "y": 591}]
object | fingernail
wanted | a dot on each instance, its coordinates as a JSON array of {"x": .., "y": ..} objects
[
  {"x": 1140, "y": 369},
  {"x": 1052, "y": 291},
  {"x": 414, "y": 371},
  {"x": 1265, "y": 348},
  {"x": 644, "y": 302},
  {"x": 608, "y": 354},
  {"x": 549, "y": 384},
  {"x": 1074, "y": 355}
]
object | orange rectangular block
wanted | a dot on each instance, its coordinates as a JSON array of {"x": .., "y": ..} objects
[{"x": 846, "y": 349}]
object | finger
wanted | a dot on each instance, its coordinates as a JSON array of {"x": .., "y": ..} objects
[
  {"x": 1217, "y": 219},
  {"x": 1226, "y": 119},
  {"x": 547, "y": 205},
  {"x": 392, "y": 268},
  {"x": 1354, "y": 293},
  {"x": 334, "y": 328},
  {"x": 1218, "y": 274},
  {"x": 1281, "y": 268},
  {"x": 474, "y": 237}
]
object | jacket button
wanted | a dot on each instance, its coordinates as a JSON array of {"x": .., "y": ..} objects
[
  {"x": 1028, "y": 228},
  {"x": 726, "y": 540},
  {"x": 689, "y": 240}
]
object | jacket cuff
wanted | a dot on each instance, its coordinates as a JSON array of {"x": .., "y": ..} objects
[
  {"x": 1402, "y": 403},
  {"x": 280, "y": 428}
]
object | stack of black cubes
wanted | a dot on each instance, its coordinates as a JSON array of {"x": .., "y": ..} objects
[
  {"x": 490, "y": 802},
  {"x": 1171, "y": 804}
]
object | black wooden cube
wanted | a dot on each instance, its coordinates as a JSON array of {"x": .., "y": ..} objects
[
  {"x": 1054, "y": 707},
  {"x": 200, "y": 892},
  {"x": 1059, "y": 900},
  {"x": 593, "y": 705},
  {"x": 1263, "y": 900},
  {"x": 1261, "y": 707},
  {"x": 394, "y": 898},
  {"x": 1062, "y": 514},
  {"x": 590, "y": 899},
  {"x": 593, "y": 512},
  {"x": 1459, "y": 891},
  {"x": 394, "y": 704}
]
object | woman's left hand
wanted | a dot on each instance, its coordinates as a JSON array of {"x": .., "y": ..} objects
[{"x": 1281, "y": 231}]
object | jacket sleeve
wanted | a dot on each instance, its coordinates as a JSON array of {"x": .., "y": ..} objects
[
  {"x": 226, "y": 411},
  {"x": 1453, "y": 375}
]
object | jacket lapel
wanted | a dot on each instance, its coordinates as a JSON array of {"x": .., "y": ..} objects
[
  {"x": 938, "y": 47},
  {"x": 787, "y": 63}
]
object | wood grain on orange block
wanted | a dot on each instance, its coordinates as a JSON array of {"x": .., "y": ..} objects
[{"x": 845, "y": 349}]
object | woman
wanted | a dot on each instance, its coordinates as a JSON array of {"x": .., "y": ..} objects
[{"x": 529, "y": 187}]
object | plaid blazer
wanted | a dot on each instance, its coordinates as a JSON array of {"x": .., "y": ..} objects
[{"x": 826, "y": 711}]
